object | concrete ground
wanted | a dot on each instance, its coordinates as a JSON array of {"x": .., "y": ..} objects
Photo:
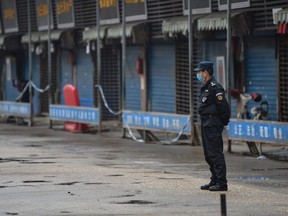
[{"x": 53, "y": 172}]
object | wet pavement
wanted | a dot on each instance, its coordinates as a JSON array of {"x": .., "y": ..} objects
[{"x": 53, "y": 172}]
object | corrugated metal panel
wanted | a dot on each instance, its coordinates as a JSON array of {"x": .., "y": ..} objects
[
  {"x": 182, "y": 78},
  {"x": 22, "y": 11},
  {"x": 85, "y": 82},
  {"x": 44, "y": 79},
  {"x": 261, "y": 72},
  {"x": 66, "y": 72},
  {"x": 11, "y": 92},
  {"x": 85, "y": 13},
  {"x": 161, "y": 78},
  {"x": 110, "y": 80},
  {"x": 283, "y": 78},
  {"x": 133, "y": 88},
  {"x": 216, "y": 49},
  {"x": 159, "y": 10},
  {"x": 35, "y": 78}
]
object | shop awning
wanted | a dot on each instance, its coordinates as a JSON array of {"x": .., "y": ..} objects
[
  {"x": 214, "y": 21},
  {"x": 92, "y": 34},
  {"x": 177, "y": 25},
  {"x": 281, "y": 19},
  {"x": 35, "y": 37},
  {"x": 10, "y": 41},
  {"x": 55, "y": 35},
  {"x": 115, "y": 31}
]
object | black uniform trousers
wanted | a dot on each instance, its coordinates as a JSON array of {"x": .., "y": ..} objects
[{"x": 212, "y": 129}]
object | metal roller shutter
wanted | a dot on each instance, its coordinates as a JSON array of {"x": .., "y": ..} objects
[
  {"x": 35, "y": 78},
  {"x": 44, "y": 80},
  {"x": 261, "y": 72},
  {"x": 214, "y": 49},
  {"x": 66, "y": 72},
  {"x": 133, "y": 88},
  {"x": 283, "y": 78},
  {"x": 11, "y": 92},
  {"x": 85, "y": 77},
  {"x": 161, "y": 78},
  {"x": 110, "y": 80}
]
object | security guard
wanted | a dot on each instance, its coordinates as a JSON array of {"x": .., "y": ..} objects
[{"x": 214, "y": 112}]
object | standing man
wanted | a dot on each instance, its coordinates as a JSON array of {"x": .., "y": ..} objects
[{"x": 214, "y": 112}]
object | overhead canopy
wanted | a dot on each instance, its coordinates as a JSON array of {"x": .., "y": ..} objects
[
  {"x": 177, "y": 25},
  {"x": 214, "y": 21},
  {"x": 92, "y": 34},
  {"x": 35, "y": 37},
  {"x": 115, "y": 31},
  {"x": 281, "y": 19},
  {"x": 281, "y": 16},
  {"x": 55, "y": 35}
]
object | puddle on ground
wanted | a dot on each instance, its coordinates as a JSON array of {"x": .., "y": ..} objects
[
  {"x": 11, "y": 213},
  {"x": 96, "y": 183},
  {"x": 135, "y": 202},
  {"x": 252, "y": 178},
  {"x": 36, "y": 181},
  {"x": 162, "y": 178},
  {"x": 67, "y": 183}
]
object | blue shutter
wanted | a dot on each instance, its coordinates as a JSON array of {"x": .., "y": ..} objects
[
  {"x": 161, "y": 78},
  {"x": 85, "y": 77},
  {"x": 215, "y": 49},
  {"x": 66, "y": 72},
  {"x": 133, "y": 88},
  {"x": 261, "y": 72},
  {"x": 35, "y": 78},
  {"x": 11, "y": 92}
]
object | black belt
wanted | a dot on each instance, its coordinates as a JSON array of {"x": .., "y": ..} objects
[{"x": 207, "y": 116}]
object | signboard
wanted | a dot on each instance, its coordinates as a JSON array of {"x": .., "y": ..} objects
[
  {"x": 222, "y": 4},
  {"x": 9, "y": 15},
  {"x": 156, "y": 121},
  {"x": 42, "y": 13},
  {"x": 74, "y": 114},
  {"x": 259, "y": 131},
  {"x": 135, "y": 10},
  {"x": 15, "y": 109},
  {"x": 109, "y": 12},
  {"x": 198, "y": 6},
  {"x": 65, "y": 14}
]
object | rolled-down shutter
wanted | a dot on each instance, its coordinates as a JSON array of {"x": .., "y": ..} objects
[
  {"x": 261, "y": 72},
  {"x": 66, "y": 72},
  {"x": 161, "y": 78},
  {"x": 133, "y": 89},
  {"x": 11, "y": 92},
  {"x": 35, "y": 78},
  {"x": 85, "y": 78}
]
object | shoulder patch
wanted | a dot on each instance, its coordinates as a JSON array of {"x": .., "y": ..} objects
[
  {"x": 219, "y": 96},
  {"x": 213, "y": 83}
]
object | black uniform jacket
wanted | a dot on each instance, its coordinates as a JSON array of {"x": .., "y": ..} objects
[{"x": 212, "y": 101}]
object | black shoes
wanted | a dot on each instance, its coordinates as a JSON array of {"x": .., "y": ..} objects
[
  {"x": 205, "y": 187},
  {"x": 216, "y": 187}
]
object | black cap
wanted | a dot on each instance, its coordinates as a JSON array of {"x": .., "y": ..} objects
[{"x": 204, "y": 65}]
